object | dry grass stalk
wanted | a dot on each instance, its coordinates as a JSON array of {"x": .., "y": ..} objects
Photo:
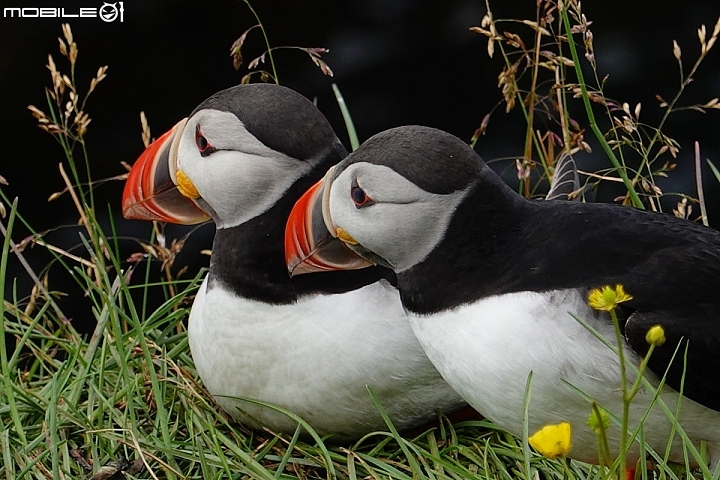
[
  {"x": 236, "y": 53},
  {"x": 523, "y": 83},
  {"x": 146, "y": 137}
]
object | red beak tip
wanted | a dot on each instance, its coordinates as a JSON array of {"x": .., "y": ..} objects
[{"x": 145, "y": 199}]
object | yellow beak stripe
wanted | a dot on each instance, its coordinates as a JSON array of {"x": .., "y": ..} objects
[
  {"x": 344, "y": 236},
  {"x": 185, "y": 186}
]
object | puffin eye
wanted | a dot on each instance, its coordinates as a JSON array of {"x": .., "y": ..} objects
[
  {"x": 203, "y": 145},
  {"x": 359, "y": 197}
]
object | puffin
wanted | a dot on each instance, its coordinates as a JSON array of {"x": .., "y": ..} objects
[
  {"x": 309, "y": 345},
  {"x": 506, "y": 294}
]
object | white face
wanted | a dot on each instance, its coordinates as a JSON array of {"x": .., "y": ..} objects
[
  {"x": 402, "y": 223},
  {"x": 242, "y": 178}
]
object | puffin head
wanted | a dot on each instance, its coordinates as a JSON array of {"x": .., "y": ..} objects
[
  {"x": 390, "y": 202},
  {"x": 232, "y": 159}
]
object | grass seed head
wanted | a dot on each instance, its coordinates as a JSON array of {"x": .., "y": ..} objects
[
  {"x": 82, "y": 120},
  {"x": 145, "y": 129},
  {"x": 101, "y": 74},
  {"x": 676, "y": 50}
]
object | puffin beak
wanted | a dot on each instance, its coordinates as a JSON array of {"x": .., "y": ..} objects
[
  {"x": 312, "y": 244},
  {"x": 151, "y": 191}
]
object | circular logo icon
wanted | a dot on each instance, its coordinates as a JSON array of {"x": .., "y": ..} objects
[{"x": 108, "y": 12}]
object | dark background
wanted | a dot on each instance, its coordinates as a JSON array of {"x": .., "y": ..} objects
[{"x": 396, "y": 61}]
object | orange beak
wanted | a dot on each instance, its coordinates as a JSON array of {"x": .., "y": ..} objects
[
  {"x": 151, "y": 192},
  {"x": 311, "y": 243}
]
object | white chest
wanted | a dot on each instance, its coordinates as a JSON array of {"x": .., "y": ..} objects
[
  {"x": 487, "y": 350},
  {"x": 315, "y": 358}
]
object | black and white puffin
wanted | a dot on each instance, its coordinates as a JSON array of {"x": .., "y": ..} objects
[
  {"x": 490, "y": 279},
  {"x": 309, "y": 345}
]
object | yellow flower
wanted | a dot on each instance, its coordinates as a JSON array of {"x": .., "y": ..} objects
[
  {"x": 552, "y": 441},
  {"x": 607, "y": 298},
  {"x": 655, "y": 335}
]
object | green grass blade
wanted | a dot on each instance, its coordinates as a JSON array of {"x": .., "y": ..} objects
[
  {"x": 714, "y": 169},
  {"x": 288, "y": 452},
  {"x": 349, "y": 124},
  {"x": 324, "y": 451},
  {"x": 412, "y": 461},
  {"x": 526, "y": 426},
  {"x": 7, "y": 375},
  {"x": 591, "y": 116}
]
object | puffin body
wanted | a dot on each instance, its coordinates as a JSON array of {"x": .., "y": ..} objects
[
  {"x": 313, "y": 344},
  {"x": 488, "y": 363},
  {"x": 491, "y": 282},
  {"x": 314, "y": 365}
]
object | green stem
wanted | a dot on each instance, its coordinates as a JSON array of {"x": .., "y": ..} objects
[
  {"x": 521, "y": 103},
  {"x": 684, "y": 82},
  {"x": 641, "y": 371},
  {"x": 626, "y": 401},
  {"x": 91, "y": 195},
  {"x": 532, "y": 100},
  {"x": 591, "y": 116},
  {"x": 526, "y": 425},
  {"x": 349, "y": 124},
  {"x": 4, "y": 366},
  {"x": 267, "y": 42},
  {"x": 603, "y": 444}
]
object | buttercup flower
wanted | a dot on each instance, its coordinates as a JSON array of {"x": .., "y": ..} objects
[
  {"x": 552, "y": 441},
  {"x": 607, "y": 297},
  {"x": 655, "y": 335}
]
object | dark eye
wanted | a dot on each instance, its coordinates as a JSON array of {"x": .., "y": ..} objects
[
  {"x": 359, "y": 197},
  {"x": 203, "y": 145}
]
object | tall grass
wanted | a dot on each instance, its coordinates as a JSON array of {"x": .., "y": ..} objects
[
  {"x": 126, "y": 401},
  {"x": 550, "y": 69}
]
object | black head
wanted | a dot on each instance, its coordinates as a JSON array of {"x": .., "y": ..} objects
[
  {"x": 279, "y": 117},
  {"x": 432, "y": 159}
]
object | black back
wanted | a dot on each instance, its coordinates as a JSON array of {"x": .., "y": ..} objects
[{"x": 498, "y": 242}]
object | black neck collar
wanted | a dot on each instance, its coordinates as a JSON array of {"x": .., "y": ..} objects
[
  {"x": 249, "y": 259},
  {"x": 500, "y": 243}
]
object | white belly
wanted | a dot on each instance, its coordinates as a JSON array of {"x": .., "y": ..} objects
[
  {"x": 315, "y": 359},
  {"x": 486, "y": 351}
]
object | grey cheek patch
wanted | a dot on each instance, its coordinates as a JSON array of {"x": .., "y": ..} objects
[
  {"x": 244, "y": 178},
  {"x": 406, "y": 222}
]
